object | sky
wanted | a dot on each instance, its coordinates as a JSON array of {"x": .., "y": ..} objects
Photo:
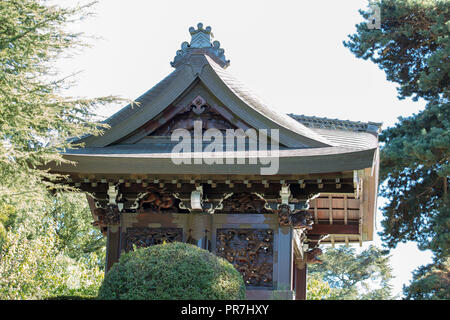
[{"x": 290, "y": 53}]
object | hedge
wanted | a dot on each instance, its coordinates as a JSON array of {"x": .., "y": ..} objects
[{"x": 172, "y": 271}]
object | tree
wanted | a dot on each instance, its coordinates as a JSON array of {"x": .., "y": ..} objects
[
  {"x": 47, "y": 245},
  {"x": 36, "y": 269},
  {"x": 413, "y": 48},
  {"x": 78, "y": 239},
  {"x": 317, "y": 289},
  {"x": 412, "y": 45},
  {"x": 36, "y": 119},
  {"x": 353, "y": 276},
  {"x": 430, "y": 282},
  {"x": 51, "y": 249},
  {"x": 415, "y": 169}
]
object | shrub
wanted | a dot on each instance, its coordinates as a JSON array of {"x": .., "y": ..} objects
[{"x": 172, "y": 271}]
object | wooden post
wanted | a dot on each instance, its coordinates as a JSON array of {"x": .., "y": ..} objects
[
  {"x": 112, "y": 246},
  {"x": 199, "y": 230},
  {"x": 284, "y": 258},
  {"x": 300, "y": 282}
]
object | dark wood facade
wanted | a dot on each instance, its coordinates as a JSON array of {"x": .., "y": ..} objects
[{"x": 243, "y": 221}]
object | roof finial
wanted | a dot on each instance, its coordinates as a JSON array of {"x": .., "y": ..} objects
[{"x": 201, "y": 39}]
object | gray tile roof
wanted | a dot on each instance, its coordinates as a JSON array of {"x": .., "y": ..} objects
[
  {"x": 147, "y": 97},
  {"x": 327, "y": 123},
  {"x": 348, "y": 138},
  {"x": 295, "y": 130},
  {"x": 344, "y": 133},
  {"x": 110, "y": 160},
  {"x": 252, "y": 100}
]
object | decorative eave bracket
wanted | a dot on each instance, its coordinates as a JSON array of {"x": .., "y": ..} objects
[{"x": 293, "y": 214}]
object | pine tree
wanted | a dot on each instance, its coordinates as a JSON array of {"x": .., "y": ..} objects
[
  {"x": 355, "y": 276},
  {"x": 47, "y": 243},
  {"x": 36, "y": 118},
  {"x": 412, "y": 46}
]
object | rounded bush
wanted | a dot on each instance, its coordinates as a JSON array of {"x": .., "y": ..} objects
[{"x": 172, "y": 271}]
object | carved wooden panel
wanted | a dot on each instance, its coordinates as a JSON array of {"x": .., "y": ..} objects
[
  {"x": 158, "y": 201},
  {"x": 244, "y": 203},
  {"x": 144, "y": 236},
  {"x": 250, "y": 251}
]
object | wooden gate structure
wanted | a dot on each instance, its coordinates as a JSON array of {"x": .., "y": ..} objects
[{"x": 269, "y": 223}]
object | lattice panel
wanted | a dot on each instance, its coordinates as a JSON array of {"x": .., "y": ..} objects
[
  {"x": 145, "y": 237},
  {"x": 250, "y": 251}
]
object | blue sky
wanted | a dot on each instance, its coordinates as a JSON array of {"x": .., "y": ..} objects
[{"x": 290, "y": 53}]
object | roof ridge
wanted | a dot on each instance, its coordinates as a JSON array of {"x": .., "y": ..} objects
[{"x": 324, "y": 122}]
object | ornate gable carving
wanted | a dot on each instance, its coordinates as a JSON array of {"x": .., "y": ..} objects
[
  {"x": 199, "y": 110},
  {"x": 196, "y": 105}
]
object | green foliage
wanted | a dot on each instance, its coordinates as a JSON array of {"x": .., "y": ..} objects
[
  {"x": 74, "y": 297},
  {"x": 172, "y": 271},
  {"x": 36, "y": 269},
  {"x": 7, "y": 215},
  {"x": 47, "y": 245},
  {"x": 76, "y": 235},
  {"x": 69, "y": 212},
  {"x": 317, "y": 289},
  {"x": 430, "y": 282},
  {"x": 413, "y": 48},
  {"x": 363, "y": 276},
  {"x": 38, "y": 239},
  {"x": 36, "y": 119},
  {"x": 415, "y": 168}
]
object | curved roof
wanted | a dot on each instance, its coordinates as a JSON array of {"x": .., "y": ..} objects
[
  {"x": 234, "y": 96},
  {"x": 307, "y": 143},
  {"x": 255, "y": 103},
  {"x": 129, "y": 160}
]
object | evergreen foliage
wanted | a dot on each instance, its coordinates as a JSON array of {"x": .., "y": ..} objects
[
  {"x": 35, "y": 268},
  {"x": 431, "y": 282},
  {"x": 172, "y": 271},
  {"x": 48, "y": 246},
  {"x": 413, "y": 48},
  {"x": 412, "y": 45},
  {"x": 353, "y": 276},
  {"x": 37, "y": 120}
]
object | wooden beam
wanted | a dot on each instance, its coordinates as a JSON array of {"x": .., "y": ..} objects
[{"x": 334, "y": 229}]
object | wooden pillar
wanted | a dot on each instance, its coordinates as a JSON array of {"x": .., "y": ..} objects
[
  {"x": 112, "y": 246},
  {"x": 199, "y": 230},
  {"x": 284, "y": 263},
  {"x": 300, "y": 282}
]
